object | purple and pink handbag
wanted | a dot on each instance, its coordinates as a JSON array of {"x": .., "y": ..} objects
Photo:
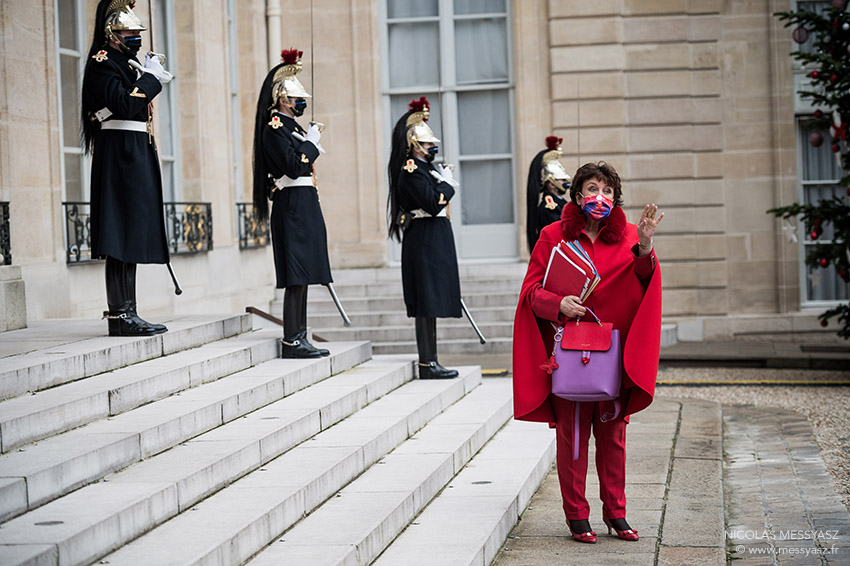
[{"x": 588, "y": 366}]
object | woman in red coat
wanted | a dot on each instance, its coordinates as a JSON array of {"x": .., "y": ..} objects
[{"x": 629, "y": 296}]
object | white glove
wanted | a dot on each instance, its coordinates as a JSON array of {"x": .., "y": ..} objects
[
  {"x": 447, "y": 174},
  {"x": 153, "y": 65},
  {"x": 314, "y": 135}
]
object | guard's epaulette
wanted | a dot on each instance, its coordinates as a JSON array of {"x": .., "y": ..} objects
[
  {"x": 275, "y": 122},
  {"x": 550, "y": 202},
  {"x": 410, "y": 166},
  {"x": 100, "y": 56}
]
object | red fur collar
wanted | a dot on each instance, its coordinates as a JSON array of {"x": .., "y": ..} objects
[{"x": 573, "y": 222}]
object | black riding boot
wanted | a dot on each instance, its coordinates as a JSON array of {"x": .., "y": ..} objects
[
  {"x": 426, "y": 343},
  {"x": 130, "y": 278},
  {"x": 121, "y": 309},
  {"x": 295, "y": 343}
]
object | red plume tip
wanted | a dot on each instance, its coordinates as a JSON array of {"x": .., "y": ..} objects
[
  {"x": 291, "y": 56},
  {"x": 552, "y": 142},
  {"x": 419, "y": 105},
  {"x": 132, "y": 5}
]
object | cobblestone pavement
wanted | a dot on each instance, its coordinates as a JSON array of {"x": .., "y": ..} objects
[{"x": 781, "y": 506}]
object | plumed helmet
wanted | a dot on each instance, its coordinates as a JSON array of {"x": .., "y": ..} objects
[
  {"x": 418, "y": 130},
  {"x": 551, "y": 169},
  {"x": 120, "y": 17},
  {"x": 285, "y": 83}
]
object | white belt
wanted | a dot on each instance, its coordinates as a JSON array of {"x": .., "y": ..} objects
[
  {"x": 303, "y": 181},
  {"x": 419, "y": 213},
  {"x": 128, "y": 125}
]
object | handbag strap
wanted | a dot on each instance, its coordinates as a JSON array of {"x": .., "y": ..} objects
[
  {"x": 578, "y": 318},
  {"x": 605, "y": 417}
]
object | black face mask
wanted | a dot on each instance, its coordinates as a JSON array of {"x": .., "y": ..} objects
[
  {"x": 299, "y": 107},
  {"x": 432, "y": 154},
  {"x": 132, "y": 45}
]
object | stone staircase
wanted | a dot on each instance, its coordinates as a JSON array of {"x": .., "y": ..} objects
[
  {"x": 200, "y": 446},
  {"x": 374, "y": 302}
]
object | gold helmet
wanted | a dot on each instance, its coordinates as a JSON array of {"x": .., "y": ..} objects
[
  {"x": 552, "y": 170},
  {"x": 285, "y": 83},
  {"x": 418, "y": 130},
  {"x": 120, "y": 17}
]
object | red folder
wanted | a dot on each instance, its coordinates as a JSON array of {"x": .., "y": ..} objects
[{"x": 569, "y": 273}]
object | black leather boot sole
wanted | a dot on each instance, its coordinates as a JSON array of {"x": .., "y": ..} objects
[
  {"x": 124, "y": 325},
  {"x": 299, "y": 347},
  {"x": 433, "y": 370}
]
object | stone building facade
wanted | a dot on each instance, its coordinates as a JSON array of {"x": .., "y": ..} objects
[{"x": 691, "y": 100}]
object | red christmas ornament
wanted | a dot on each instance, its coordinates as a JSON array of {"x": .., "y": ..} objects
[
  {"x": 823, "y": 323},
  {"x": 814, "y": 235},
  {"x": 833, "y": 77},
  {"x": 845, "y": 275},
  {"x": 835, "y": 24},
  {"x": 818, "y": 114},
  {"x": 838, "y": 4},
  {"x": 814, "y": 74},
  {"x": 800, "y": 34},
  {"x": 823, "y": 262},
  {"x": 848, "y": 191},
  {"x": 816, "y": 139},
  {"x": 835, "y": 148}
]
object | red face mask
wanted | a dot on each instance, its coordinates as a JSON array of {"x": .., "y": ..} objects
[{"x": 598, "y": 207}]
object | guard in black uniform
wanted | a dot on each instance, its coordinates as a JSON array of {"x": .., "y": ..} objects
[
  {"x": 127, "y": 222},
  {"x": 284, "y": 172},
  {"x": 418, "y": 215},
  {"x": 547, "y": 184}
]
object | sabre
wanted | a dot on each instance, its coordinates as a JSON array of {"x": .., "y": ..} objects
[
  {"x": 472, "y": 322},
  {"x": 345, "y": 320},
  {"x": 177, "y": 289}
]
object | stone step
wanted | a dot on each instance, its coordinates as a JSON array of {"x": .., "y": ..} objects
[
  {"x": 381, "y": 289},
  {"x": 322, "y": 304},
  {"x": 364, "y": 517},
  {"x": 447, "y": 329},
  {"x": 29, "y": 418},
  {"x": 53, "y": 352},
  {"x": 467, "y": 270},
  {"x": 232, "y": 525},
  {"x": 470, "y": 520},
  {"x": 42, "y": 472},
  {"x": 470, "y": 345},
  {"x": 99, "y": 518},
  {"x": 377, "y": 319}
]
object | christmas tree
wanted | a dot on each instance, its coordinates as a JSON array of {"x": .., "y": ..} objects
[{"x": 826, "y": 61}]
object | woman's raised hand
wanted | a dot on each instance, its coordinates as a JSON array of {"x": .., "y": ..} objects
[{"x": 649, "y": 221}]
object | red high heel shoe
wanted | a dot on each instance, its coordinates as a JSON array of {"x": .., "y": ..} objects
[
  {"x": 587, "y": 537},
  {"x": 627, "y": 534}
]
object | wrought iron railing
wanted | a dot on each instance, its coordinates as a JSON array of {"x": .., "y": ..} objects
[
  {"x": 189, "y": 227},
  {"x": 5, "y": 243},
  {"x": 252, "y": 232},
  {"x": 77, "y": 233}
]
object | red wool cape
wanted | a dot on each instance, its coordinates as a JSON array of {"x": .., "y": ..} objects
[{"x": 619, "y": 298}]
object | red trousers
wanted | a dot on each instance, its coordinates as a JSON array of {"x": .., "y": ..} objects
[{"x": 610, "y": 458}]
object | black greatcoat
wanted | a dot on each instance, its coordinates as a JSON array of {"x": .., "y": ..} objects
[
  {"x": 127, "y": 220},
  {"x": 549, "y": 209},
  {"x": 428, "y": 258},
  {"x": 299, "y": 236}
]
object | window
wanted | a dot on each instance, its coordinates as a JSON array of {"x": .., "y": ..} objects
[
  {"x": 235, "y": 122},
  {"x": 72, "y": 49},
  {"x": 457, "y": 53},
  {"x": 819, "y": 173},
  {"x": 166, "y": 105}
]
